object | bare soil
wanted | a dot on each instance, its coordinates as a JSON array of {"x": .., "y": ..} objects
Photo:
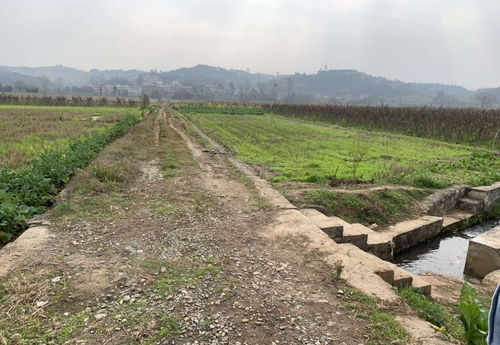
[{"x": 167, "y": 250}]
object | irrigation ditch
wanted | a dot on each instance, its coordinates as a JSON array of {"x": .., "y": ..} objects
[{"x": 369, "y": 260}]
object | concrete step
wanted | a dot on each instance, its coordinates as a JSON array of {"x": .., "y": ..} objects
[
  {"x": 412, "y": 232},
  {"x": 329, "y": 226},
  {"x": 387, "y": 275},
  {"x": 379, "y": 245},
  {"x": 355, "y": 235},
  {"x": 470, "y": 205},
  {"x": 455, "y": 221},
  {"x": 487, "y": 194},
  {"x": 402, "y": 279},
  {"x": 422, "y": 285}
]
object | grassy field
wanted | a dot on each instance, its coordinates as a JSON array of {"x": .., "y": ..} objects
[
  {"x": 27, "y": 130},
  {"x": 293, "y": 150},
  {"x": 42, "y": 147}
]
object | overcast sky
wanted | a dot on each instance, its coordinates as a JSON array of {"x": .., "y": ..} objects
[{"x": 448, "y": 41}]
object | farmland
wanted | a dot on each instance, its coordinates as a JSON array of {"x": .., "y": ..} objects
[
  {"x": 42, "y": 148},
  {"x": 459, "y": 125},
  {"x": 28, "y": 130},
  {"x": 316, "y": 162},
  {"x": 294, "y": 150}
]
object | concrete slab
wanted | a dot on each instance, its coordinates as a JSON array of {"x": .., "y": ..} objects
[
  {"x": 352, "y": 234},
  {"x": 15, "y": 252},
  {"x": 328, "y": 225},
  {"x": 379, "y": 245},
  {"x": 410, "y": 233},
  {"x": 487, "y": 194},
  {"x": 455, "y": 221},
  {"x": 483, "y": 255},
  {"x": 492, "y": 278},
  {"x": 470, "y": 205}
]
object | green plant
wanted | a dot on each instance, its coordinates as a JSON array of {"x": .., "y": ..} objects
[
  {"x": 170, "y": 326},
  {"x": 473, "y": 316},
  {"x": 432, "y": 312},
  {"x": 291, "y": 150},
  {"x": 26, "y": 192},
  {"x": 383, "y": 328}
]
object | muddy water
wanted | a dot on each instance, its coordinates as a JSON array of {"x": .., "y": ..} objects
[{"x": 443, "y": 255}]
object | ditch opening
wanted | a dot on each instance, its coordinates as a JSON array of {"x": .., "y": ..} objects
[{"x": 443, "y": 255}]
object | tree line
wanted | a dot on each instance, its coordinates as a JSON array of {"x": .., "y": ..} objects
[
  {"x": 58, "y": 100},
  {"x": 461, "y": 125}
]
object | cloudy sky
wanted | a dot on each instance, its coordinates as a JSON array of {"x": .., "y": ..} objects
[{"x": 448, "y": 41}]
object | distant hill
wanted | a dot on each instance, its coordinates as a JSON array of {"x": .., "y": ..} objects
[
  {"x": 325, "y": 86},
  {"x": 211, "y": 74},
  {"x": 68, "y": 75},
  {"x": 354, "y": 86},
  {"x": 11, "y": 78}
]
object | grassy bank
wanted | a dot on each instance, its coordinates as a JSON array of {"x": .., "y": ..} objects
[{"x": 382, "y": 207}]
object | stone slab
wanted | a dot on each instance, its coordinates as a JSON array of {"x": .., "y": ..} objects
[
  {"x": 410, "y": 233},
  {"x": 15, "y": 252},
  {"x": 487, "y": 194},
  {"x": 492, "y": 278},
  {"x": 483, "y": 255}
]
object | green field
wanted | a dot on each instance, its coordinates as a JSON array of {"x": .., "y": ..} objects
[
  {"x": 293, "y": 150},
  {"x": 28, "y": 130},
  {"x": 42, "y": 147}
]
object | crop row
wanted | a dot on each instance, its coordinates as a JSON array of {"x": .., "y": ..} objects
[
  {"x": 204, "y": 108},
  {"x": 29, "y": 190},
  {"x": 461, "y": 125}
]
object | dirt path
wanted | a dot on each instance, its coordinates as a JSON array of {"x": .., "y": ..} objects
[{"x": 153, "y": 245}]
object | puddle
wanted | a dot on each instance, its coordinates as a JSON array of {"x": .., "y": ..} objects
[{"x": 443, "y": 255}]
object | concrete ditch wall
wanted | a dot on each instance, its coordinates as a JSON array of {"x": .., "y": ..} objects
[
  {"x": 445, "y": 201},
  {"x": 483, "y": 255}
]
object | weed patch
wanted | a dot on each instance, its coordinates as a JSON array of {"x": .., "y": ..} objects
[
  {"x": 383, "y": 327},
  {"x": 382, "y": 207}
]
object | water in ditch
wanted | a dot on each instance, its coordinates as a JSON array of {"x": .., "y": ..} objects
[{"x": 443, "y": 255}]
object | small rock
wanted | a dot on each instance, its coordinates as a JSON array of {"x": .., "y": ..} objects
[
  {"x": 40, "y": 304},
  {"x": 16, "y": 339},
  {"x": 99, "y": 317},
  {"x": 130, "y": 250},
  {"x": 152, "y": 326},
  {"x": 56, "y": 279}
]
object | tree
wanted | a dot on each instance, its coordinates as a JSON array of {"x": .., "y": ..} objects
[
  {"x": 232, "y": 89},
  {"x": 486, "y": 99},
  {"x": 290, "y": 86},
  {"x": 44, "y": 82},
  {"x": 59, "y": 85}
]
